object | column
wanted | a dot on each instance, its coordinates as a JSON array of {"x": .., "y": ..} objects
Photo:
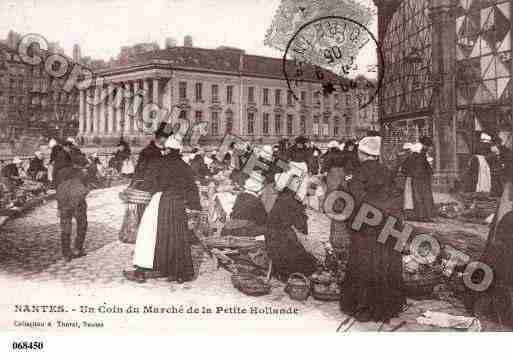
[
  {"x": 87, "y": 109},
  {"x": 146, "y": 90},
  {"x": 110, "y": 108},
  {"x": 444, "y": 99},
  {"x": 81, "y": 114},
  {"x": 136, "y": 108},
  {"x": 126, "y": 107},
  {"x": 118, "y": 103},
  {"x": 96, "y": 106},
  {"x": 101, "y": 105},
  {"x": 156, "y": 91}
]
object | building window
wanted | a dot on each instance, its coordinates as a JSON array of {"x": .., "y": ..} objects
[
  {"x": 317, "y": 98},
  {"x": 326, "y": 126},
  {"x": 266, "y": 97},
  {"x": 251, "y": 94},
  {"x": 229, "y": 94},
  {"x": 290, "y": 124},
  {"x": 251, "y": 123},
  {"x": 215, "y": 123},
  {"x": 335, "y": 127},
  {"x": 316, "y": 125},
  {"x": 265, "y": 124},
  {"x": 277, "y": 124},
  {"x": 302, "y": 124},
  {"x": 198, "y": 116},
  {"x": 290, "y": 98},
  {"x": 229, "y": 122},
  {"x": 348, "y": 100},
  {"x": 277, "y": 97},
  {"x": 303, "y": 97},
  {"x": 182, "y": 90},
  {"x": 215, "y": 93},
  {"x": 199, "y": 91}
]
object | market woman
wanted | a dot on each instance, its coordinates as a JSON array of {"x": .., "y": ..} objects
[
  {"x": 417, "y": 167},
  {"x": 373, "y": 289},
  {"x": 163, "y": 238},
  {"x": 497, "y": 300},
  {"x": 248, "y": 217},
  {"x": 287, "y": 221}
]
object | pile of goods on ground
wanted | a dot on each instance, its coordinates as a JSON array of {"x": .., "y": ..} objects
[{"x": 472, "y": 207}]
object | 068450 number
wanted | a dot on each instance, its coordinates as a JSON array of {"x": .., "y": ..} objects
[{"x": 27, "y": 345}]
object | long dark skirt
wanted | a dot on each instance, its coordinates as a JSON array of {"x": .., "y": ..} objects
[
  {"x": 287, "y": 254},
  {"x": 172, "y": 249},
  {"x": 374, "y": 279},
  {"x": 423, "y": 202},
  {"x": 340, "y": 239}
]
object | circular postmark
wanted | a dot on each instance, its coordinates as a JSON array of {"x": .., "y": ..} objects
[{"x": 325, "y": 50}]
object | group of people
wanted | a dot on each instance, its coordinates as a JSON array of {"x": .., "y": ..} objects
[
  {"x": 487, "y": 167},
  {"x": 271, "y": 205}
]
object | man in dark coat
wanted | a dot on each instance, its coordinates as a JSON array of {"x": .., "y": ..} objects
[{"x": 71, "y": 193}]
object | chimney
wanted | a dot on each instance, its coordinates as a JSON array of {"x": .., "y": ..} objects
[
  {"x": 77, "y": 54},
  {"x": 187, "y": 41}
]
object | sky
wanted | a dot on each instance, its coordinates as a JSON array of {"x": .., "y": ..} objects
[{"x": 101, "y": 27}]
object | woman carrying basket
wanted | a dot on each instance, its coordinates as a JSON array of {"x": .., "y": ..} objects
[{"x": 163, "y": 238}]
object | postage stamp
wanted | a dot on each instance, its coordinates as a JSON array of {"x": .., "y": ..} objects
[{"x": 326, "y": 49}]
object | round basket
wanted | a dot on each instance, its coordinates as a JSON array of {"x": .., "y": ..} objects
[
  {"x": 137, "y": 196},
  {"x": 298, "y": 287},
  {"x": 325, "y": 291},
  {"x": 250, "y": 284}
]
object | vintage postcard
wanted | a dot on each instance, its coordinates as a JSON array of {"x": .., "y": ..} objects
[{"x": 255, "y": 166}]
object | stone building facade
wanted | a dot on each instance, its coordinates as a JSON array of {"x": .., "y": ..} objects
[
  {"x": 33, "y": 104},
  {"x": 232, "y": 91}
]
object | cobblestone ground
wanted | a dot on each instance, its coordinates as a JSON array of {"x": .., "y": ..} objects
[{"x": 30, "y": 252}]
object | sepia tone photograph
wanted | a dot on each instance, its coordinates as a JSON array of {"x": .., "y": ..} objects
[{"x": 255, "y": 166}]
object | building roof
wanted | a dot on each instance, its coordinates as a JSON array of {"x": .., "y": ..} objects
[{"x": 229, "y": 60}]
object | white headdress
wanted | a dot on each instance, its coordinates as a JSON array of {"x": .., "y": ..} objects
[
  {"x": 284, "y": 179},
  {"x": 173, "y": 143}
]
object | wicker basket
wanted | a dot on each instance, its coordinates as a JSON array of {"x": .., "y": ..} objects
[
  {"x": 298, "y": 287},
  {"x": 325, "y": 291},
  {"x": 250, "y": 284}
]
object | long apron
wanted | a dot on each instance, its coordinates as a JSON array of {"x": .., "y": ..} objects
[{"x": 144, "y": 253}]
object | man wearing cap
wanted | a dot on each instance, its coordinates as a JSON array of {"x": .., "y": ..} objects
[
  {"x": 71, "y": 192},
  {"x": 373, "y": 288},
  {"x": 478, "y": 177}
]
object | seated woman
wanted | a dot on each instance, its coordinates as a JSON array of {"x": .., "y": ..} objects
[
  {"x": 248, "y": 217},
  {"x": 286, "y": 221}
]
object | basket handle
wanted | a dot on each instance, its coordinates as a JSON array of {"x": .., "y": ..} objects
[{"x": 300, "y": 276}]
